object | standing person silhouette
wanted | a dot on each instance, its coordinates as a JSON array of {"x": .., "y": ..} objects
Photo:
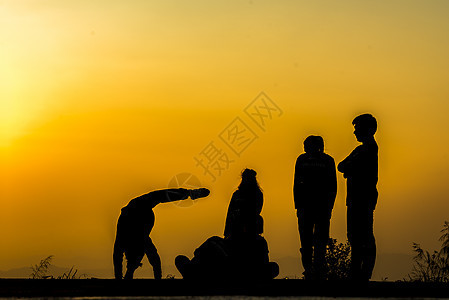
[
  {"x": 134, "y": 226},
  {"x": 360, "y": 169},
  {"x": 314, "y": 191}
]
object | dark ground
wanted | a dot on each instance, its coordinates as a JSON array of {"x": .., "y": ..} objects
[{"x": 179, "y": 287}]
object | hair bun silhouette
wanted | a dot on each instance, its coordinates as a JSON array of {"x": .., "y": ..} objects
[{"x": 248, "y": 173}]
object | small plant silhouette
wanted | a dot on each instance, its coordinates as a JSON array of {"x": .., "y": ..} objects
[
  {"x": 40, "y": 270},
  {"x": 338, "y": 259},
  {"x": 70, "y": 274},
  {"x": 432, "y": 267}
]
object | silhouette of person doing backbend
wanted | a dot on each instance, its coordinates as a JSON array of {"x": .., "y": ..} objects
[{"x": 134, "y": 226}]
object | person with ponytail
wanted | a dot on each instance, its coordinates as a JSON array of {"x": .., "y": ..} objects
[{"x": 245, "y": 207}]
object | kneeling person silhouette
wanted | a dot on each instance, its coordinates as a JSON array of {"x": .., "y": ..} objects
[{"x": 134, "y": 226}]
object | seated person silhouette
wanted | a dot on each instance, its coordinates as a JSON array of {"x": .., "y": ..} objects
[
  {"x": 245, "y": 206},
  {"x": 134, "y": 226},
  {"x": 243, "y": 253},
  {"x": 241, "y": 256},
  {"x": 249, "y": 252},
  {"x": 314, "y": 190}
]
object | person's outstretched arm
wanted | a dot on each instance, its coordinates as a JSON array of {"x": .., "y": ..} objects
[{"x": 153, "y": 258}]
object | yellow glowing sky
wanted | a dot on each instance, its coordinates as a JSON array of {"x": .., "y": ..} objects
[{"x": 102, "y": 101}]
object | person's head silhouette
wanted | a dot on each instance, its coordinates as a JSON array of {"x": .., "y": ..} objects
[
  {"x": 314, "y": 144},
  {"x": 249, "y": 175},
  {"x": 249, "y": 180},
  {"x": 365, "y": 126}
]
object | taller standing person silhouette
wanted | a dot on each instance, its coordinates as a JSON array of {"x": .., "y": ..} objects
[{"x": 360, "y": 169}]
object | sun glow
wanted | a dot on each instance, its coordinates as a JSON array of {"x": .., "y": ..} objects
[{"x": 102, "y": 102}]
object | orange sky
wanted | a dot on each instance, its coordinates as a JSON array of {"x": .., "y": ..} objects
[{"x": 102, "y": 101}]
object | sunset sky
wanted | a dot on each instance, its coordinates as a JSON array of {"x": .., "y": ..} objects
[{"x": 102, "y": 101}]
